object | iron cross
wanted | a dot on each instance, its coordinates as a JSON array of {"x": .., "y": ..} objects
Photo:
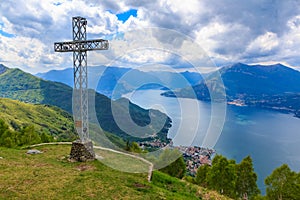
[{"x": 79, "y": 46}]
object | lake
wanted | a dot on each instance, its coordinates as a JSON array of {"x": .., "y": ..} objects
[{"x": 270, "y": 138}]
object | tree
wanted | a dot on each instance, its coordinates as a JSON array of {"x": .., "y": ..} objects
[
  {"x": 45, "y": 138},
  {"x": 29, "y": 136},
  {"x": 176, "y": 168},
  {"x": 5, "y": 139},
  {"x": 3, "y": 127},
  {"x": 222, "y": 176},
  {"x": 246, "y": 186},
  {"x": 202, "y": 174},
  {"x": 8, "y": 142},
  {"x": 283, "y": 184},
  {"x": 133, "y": 147}
]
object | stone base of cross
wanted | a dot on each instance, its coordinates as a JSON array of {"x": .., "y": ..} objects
[{"x": 82, "y": 151}]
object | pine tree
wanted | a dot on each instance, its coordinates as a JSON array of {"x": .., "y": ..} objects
[
  {"x": 246, "y": 186},
  {"x": 222, "y": 176}
]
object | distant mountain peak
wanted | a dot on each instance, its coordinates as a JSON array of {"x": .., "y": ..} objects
[
  {"x": 258, "y": 68},
  {"x": 2, "y": 69}
]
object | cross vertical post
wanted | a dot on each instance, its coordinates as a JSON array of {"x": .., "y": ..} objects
[
  {"x": 79, "y": 46},
  {"x": 80, "y": 96}
]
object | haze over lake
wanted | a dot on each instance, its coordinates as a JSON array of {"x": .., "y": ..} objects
[{"x": 271, "y": 138}]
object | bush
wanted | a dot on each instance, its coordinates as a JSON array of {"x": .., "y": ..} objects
[{"x": 177, "y": 168}]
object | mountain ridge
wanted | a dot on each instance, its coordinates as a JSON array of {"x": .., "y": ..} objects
[
  {"x": 16, "y": 84},
  {"x": 2, "y": 69},
  {"x": 269, "y": 86},
  {"x": 260, "y": 79},
  {"x": 105, "y": 79}
]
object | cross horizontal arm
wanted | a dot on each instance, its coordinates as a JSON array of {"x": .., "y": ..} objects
[{"x": 84, "y": 45}]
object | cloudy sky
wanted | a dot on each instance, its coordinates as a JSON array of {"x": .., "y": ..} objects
[{"x": 229, "y": 31}]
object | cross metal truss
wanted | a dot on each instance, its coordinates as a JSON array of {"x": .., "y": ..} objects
[{"x": 79, "y": 46}]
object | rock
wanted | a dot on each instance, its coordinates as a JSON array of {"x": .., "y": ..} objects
[
  {"x": 34, "y": 151},
  {"x": 99, "y": 157}
]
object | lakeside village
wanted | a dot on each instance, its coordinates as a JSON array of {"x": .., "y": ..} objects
[{"x": 193, "y": 156}]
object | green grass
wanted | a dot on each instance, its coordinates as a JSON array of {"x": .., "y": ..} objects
[
  {"x": 51, "y": 176},
  {"x": 49, "y": 119},
  {"x": 121, "y": 162}
]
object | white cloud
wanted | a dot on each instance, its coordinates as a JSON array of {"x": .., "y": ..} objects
[
  {"x": 251, "y": 31},
  {"x": 264, "y": 43},
  {"x": 223, "y": 41},
  {"x": 26, "y": 52}
]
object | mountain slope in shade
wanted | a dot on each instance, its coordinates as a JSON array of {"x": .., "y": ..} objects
[
  {"x": 2, "y": 69},
  {"x": 105, "y": 79},
  {"x": 16, "y": 84},
  {"x": 241, "y": 79}
]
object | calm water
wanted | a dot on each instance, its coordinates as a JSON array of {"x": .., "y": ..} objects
[{"x": 269, "y": 137}]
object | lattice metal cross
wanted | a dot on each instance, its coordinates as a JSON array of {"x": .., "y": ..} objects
[{"x": 79, "y": 46}]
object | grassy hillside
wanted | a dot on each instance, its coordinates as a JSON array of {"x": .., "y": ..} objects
[
  {"x": 16, "y": 84},
  {"x": 50, "y": 120},
  {"x": 51, "y": 176},
  {"x": 47, "y": 119}
]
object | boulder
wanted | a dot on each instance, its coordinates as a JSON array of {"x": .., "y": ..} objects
[{"x": 34, "y": 151}]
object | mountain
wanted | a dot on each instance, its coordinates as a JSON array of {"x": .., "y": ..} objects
[
  {"x": 2, "y": 69},
  {"x": 16, "y": 84},
  {"x": 105, "y": 79},
  {"x": 272, "y": 86},
  {"x": 255, "y": 80}
]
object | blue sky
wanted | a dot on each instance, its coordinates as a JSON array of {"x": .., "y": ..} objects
[
  {"x": 124, "y": 16},
  {"x": 228, "y": 31}
]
